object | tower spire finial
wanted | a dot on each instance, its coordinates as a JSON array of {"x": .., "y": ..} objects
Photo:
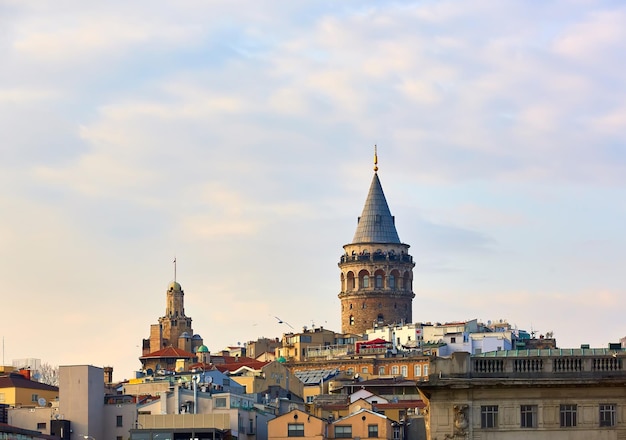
[
  {"x": 174, "y": 269},
  {"x": 375, "y": 158}
]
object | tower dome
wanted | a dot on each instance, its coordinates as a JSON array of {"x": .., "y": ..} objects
[{"x": 174, "y": 286}]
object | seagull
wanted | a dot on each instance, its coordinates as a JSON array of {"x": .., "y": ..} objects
[{"x": 280, "y": 321}]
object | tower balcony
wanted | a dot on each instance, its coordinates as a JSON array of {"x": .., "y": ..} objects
[{"x": 376, "y": 257}]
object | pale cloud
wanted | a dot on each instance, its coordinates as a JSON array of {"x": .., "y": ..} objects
[
  {"x": 27, "y": 95},
  {"x": 602, "y": 31}
]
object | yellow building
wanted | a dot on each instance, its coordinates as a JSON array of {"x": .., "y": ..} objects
[
  {"x": 297, "y": 423},
  {"x": 363, "y": 423},
  {"x": 17, "y": 391}
]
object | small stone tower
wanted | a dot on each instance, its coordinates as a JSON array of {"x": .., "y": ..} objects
[
  {"x": 174, "y": 323},
  {"x": 376, "y": 269}
]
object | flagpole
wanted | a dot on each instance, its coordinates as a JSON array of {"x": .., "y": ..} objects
[{"x": 174, "y": 269}]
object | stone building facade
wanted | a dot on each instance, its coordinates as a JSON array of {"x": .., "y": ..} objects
[
  {"x": 553, "y": 394},
  {"x": 376, "y": 269}
]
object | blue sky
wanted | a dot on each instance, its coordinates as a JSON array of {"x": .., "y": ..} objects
[{"x": 238, "y": 137}]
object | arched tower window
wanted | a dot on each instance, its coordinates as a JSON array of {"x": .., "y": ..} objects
[
  {"x": 364, "y": 279},
  {"x": 379, "y": 276},
  {"x": 351, "y": 320},
  {"x": 392, "y": 281},
  {"x": 406, "y": 281},
  {"x": 350, "y": 278}
]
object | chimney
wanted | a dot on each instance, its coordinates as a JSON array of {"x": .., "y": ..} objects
[{"x": 108, "y": 375}]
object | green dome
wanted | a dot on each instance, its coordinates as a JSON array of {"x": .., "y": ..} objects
[
  {"x": 174, "y": 286},
  {"x": 202, "y": 349},
  {"x": 282, "y": 360}
]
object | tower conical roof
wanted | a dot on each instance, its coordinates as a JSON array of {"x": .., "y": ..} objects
[{"x": 376, "y": 224}]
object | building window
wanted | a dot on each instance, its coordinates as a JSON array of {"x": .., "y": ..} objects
[
  {"x": 568, "y": 416},
  {"x": 34, "y": 397},
  {"x": 343, "y": 431},
  {"x": 364, "y": 370},
  {"x": 364, "y": 306},
  {"x": 309, "y": 399},
  {"x": 489, "y": 416},
  {"x": 119, "y": 422},
  {"x": 418, "y": 370},
  {"x": 426, "y": 370},
  {"x": 381, "y": 371},
  {"x": 2, "y": 397},
  {"x": 381, "y": 318},
  {"x": 394, "y": 369},
  {"x": 366, "y": 281},
  {"x": 220, "y": 402},
  {"x": 351, "y": 320},
  {"x": 453, "y": 340},
  {"x": 372, "y": 431},
  {"x": 396, "y": 433},
  {"x": 41, "y": 425},
  {"x": 607, "y": 414},
  {"x": 403, "y": 371},
  {"x": 528, "y": 416},
  {"x": 379, "y": 281},
  {"x": 295, "y": 430},
  {"x": 391, "y": 281}
]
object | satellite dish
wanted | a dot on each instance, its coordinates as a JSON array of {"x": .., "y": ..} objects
[
  {"x": 41, "y": 401},
  {"x": 209, "y": 380}
]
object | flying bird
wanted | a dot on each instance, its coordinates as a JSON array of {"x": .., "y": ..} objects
[{"x": 280, "y": 321}]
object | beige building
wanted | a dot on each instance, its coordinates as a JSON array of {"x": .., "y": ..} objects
[
  {"x": 376, "y": 269},
  {"x": 273, "y": 380},
  {"x": 186, "y": 413},
  {"x": 296, "y": 346},
  {"x": 554, "y": 394}
]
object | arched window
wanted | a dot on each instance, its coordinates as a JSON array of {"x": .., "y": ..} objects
[
  {"x": 350, "y": 278},
  {"x": 380, "y": 318},
  {"x": 364, "y": 306},
  {"x": 379, "y": 281},
  {"x": 351, "y": 320},
  {"x": 364, "y": 279}
]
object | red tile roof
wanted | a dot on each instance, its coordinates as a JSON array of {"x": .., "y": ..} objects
[
  {"x": 169, "y": 352},
  {"x": 231, "y": 364}
]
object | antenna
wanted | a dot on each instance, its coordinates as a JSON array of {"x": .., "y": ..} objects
[
  {"x": 375, "y": 158},
  {"x": 174, "y": 268}
]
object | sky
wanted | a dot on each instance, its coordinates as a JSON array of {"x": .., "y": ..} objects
[{"x": 238, "y": 138}]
